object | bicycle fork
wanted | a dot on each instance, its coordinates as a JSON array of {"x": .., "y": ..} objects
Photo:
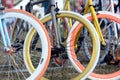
[
  {"x": 5, "y": 37},
  {"x": 96, "y": 23}
]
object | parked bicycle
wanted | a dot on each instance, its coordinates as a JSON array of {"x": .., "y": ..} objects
[
  {"x": 57, "y": 22},
  {"x": 12, "y": 64}
]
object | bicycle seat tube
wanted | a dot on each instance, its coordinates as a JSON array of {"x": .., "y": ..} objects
[{"x": 53, "y": 13}]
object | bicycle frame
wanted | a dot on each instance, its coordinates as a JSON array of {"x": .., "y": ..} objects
[
  {"x": 90, "y": 7},
  {"x": 52, "y": 7},
  {"x": 53, "y": 13}
]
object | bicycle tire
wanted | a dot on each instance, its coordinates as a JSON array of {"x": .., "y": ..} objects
[
  {"x": 113, "y": 75},
  {"x": 31, "y": 19},
  {"x": 85, "y": 22}
]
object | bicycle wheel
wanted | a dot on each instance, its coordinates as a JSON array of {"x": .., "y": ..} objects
[
  {"x": 12, "y": 65},
  {"x": 61, "y": 72},
  {"x": 110, "y": 71}
]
